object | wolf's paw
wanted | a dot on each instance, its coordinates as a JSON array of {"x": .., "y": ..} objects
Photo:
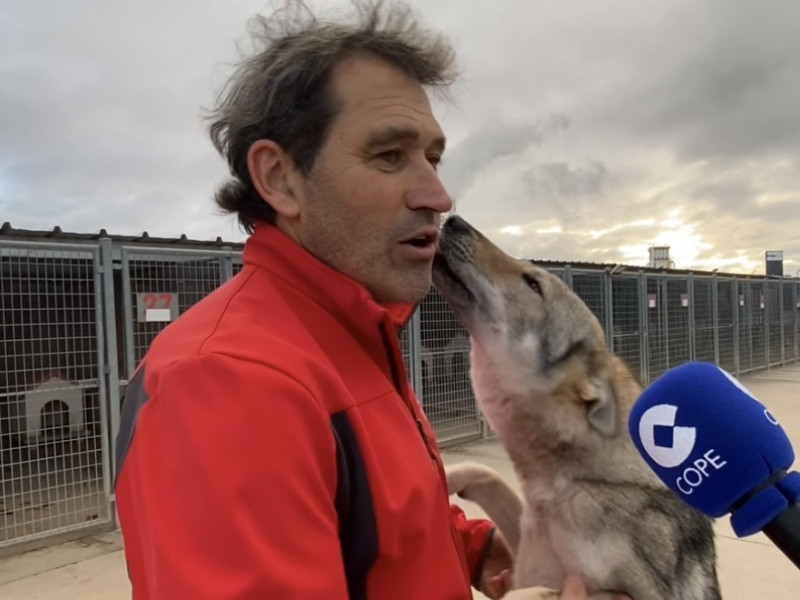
[{"x": 465, "y": 475}]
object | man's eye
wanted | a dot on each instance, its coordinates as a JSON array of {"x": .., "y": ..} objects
[
  {"x": 435, "y": 160},
  {"x": 532, "y": 283},
  {"x": 391, "y": 157}
]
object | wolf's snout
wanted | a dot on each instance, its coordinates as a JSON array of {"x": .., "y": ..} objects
[
  {"x": 457, "y": 240},
  {"x": 457, "y": 225}
]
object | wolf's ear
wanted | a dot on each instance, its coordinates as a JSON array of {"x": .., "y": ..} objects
[{"x": 601, "y": 402}]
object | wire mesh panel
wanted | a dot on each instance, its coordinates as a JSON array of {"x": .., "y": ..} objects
[
  {"x": 657, "y": 328},
  {"x": 775, "y": 328},
  {"x": 787, "y": 319},
  {"x": 743, "y": 301},
  {"x": 626, "y": 337},
  {"x": 446, "y": 395},
  {"x": 796, "y": 304},
  {"x": 744, "y": 335},
  {"x": 53, "y": 453},
  {"x": 409, "y": 348},
  {"x": 158, "y": 287},
  {"x": 677, "y": 331},
  {"x": 238, "y": 264},
  {"x": 55, "y": 301},
  {"x": 591, "y": 289},
  {"x": 759, "y": 324},
  {"x": 725, "y": 324},
  {"x": 796, "y": 315},
  {"x": 752, "y": 324},
  {"x": 704, "y": 309}
]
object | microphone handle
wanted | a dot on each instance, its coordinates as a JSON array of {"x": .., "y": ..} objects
[{"x": 784, "y": 531}]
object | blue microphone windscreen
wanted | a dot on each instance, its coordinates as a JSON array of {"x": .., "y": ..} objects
[{"x": 707, "y": 437}]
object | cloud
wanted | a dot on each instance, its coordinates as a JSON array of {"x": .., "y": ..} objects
[
  {"x": 494, "y": 141},
  {"x": 559, "y": 181},
  {"x": 101, "y": 116},
  {"x": 728, "y": 88},
  {"x": 676, "y": 106},
  {"x": 579, "y": 131}
]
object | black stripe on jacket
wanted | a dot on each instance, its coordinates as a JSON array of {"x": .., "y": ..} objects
[{"x": 358, "y": 532}]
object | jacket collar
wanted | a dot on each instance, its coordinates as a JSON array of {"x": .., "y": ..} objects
[{"x": 268, "y": 247}]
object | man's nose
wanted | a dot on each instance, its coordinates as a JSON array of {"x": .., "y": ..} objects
[{"x": 429, "y": 194}]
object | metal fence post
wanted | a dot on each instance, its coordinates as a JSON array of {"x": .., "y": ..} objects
[
  {"x": 111, "y": 380},
  {"x": 715, "y": 316},
  {"x": 692, "y": 316},
  {"x": 782, "y": 322},
  {"x": 226, "y": 265},
  {"x": 796, "y": 328},
  {"x": 106, "y": 437},
  {"x": 749, "y": 321},
  {"x": 608, "y": 299},
  {"x": 415, "y": 354},
  {"x": 736, "y": 341},
  {"x": 127, "y": 317},
  {"x": 766, "y": 316},
  {"x": 567, "y": 276},
  {"x": 644, "y": 344},
  {"x": 662, "y": 296}
]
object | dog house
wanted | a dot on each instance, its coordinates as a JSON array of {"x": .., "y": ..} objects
[{"x": 53, "y": 410}]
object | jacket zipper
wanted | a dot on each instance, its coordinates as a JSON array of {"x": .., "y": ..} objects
[{"x": 391, "y": 355}]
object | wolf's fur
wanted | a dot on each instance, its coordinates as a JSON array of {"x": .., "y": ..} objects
[{"x": 559, "y": 401}]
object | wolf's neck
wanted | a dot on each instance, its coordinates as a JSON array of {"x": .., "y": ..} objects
[{"x": 536, "y": 449}]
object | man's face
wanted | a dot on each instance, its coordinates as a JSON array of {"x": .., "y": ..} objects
[{"x": 372, "y": 203}]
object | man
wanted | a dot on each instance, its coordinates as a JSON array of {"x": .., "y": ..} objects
[{"x": 270, "y": 445}]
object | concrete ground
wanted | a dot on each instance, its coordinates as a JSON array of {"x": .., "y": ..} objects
[{"x": 94, "y": 568}]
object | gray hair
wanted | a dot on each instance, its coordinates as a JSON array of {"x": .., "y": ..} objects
[{"x": 282, "y": 91}]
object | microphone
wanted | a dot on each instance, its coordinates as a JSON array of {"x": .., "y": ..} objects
[{"x": 721, "y": 451}]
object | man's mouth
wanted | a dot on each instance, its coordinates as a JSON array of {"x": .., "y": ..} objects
[{"x": 422, "y": 241}]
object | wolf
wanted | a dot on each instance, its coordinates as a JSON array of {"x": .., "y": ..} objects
[{"x": 558, "y": 400}]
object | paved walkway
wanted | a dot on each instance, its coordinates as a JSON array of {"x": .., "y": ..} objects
[{"x": 751, "y": 568}]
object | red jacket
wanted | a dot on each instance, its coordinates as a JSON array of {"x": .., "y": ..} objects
[{"x": 271, "y": 447}]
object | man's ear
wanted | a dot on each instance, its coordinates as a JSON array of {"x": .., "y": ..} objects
[{"x": 270, "y": 170}]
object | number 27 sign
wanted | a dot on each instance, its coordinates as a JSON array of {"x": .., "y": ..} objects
[{"x": 156, "y": 307}]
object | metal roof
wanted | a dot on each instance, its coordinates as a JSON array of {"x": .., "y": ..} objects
[
  {"x": 56, "y": 234},
  {"x": 619, "y": 268}
]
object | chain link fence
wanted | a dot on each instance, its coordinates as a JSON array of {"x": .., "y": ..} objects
[
  {"x": 442, "y": 356},
  {"x": 78, "y": 318},
  {"x": 726, "y": 324},
  {"x": 53, "y": 419},
  {"x": 627, "y": 339}
]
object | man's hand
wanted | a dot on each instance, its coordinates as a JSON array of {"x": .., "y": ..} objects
[
  {"x": 496, "y": 575},
  {"x": 496, "y": 579},
  {"x": 573, "y": 589}
]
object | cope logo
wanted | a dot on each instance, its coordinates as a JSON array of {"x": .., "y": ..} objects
[
  {"x": 667, "y": 444},
  {"x": 670, "y": 446}
]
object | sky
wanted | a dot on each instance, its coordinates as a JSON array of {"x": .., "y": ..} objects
[{"x": 578, "y": 131}]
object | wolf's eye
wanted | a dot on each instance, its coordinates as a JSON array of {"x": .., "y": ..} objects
[{"x": 530, "y": 280}]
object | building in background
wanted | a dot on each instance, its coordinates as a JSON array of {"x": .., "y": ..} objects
[
  {"x": 659, "y": 258},
  {"x": 774, "y": 260}
]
